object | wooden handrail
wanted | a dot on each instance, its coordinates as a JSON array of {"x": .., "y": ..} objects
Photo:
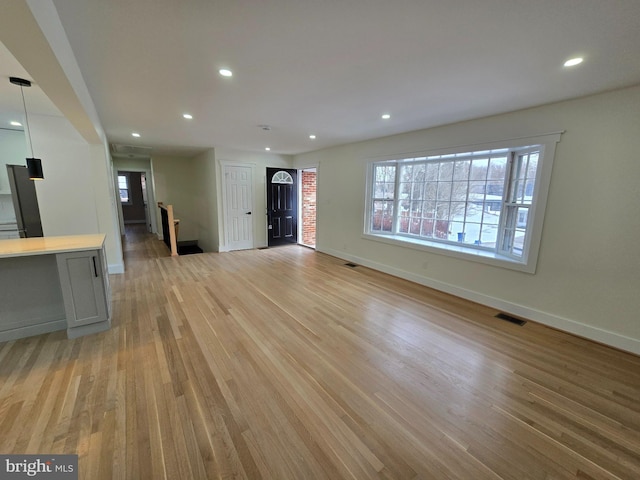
[{"x": 170, "y": 235}]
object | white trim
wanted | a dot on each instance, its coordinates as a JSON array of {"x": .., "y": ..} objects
[
  {"x": 151, "y": 214},
  {"x": 115, "y": 268},
  {"x": 283, "y": 177},
  {"x": 128, "y": 189},
  {"x": 545, "y": 318},
  {"x": 300, "y": 206},
  {"x": 461, "y": 251}
]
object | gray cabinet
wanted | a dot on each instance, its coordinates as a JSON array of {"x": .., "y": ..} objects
[{"x": 85, "y": 289}]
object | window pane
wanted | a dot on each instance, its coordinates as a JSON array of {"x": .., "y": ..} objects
[
  {"x": 446, "y": 171},
  {"x": 417, "y": 192},
  {"x": 431, "y": 191},
  {"x": 479, "y": 169},
  {"x": 429, "y": 209},
  {"x": 427, "y": 228},
  {"x": 461, "y": 170},
  {"x": 488, "y": 236},
  {"x": 442, "y": 210},
  {"x": 389, "y": 190},
  {"x": 477, "y": 190},
  {"x": 432, "y": 172},
  {"x": 497, "y": 168},
  {"x": 457, "y": 233},
  {"x": 124, "y": 195},
  {"x": 406, "y": 173},
  {"x": 444, "y": 190},
  {"x": 457, "y": 210},
  {"x": 382, "y": 216},
  {"x": 459, "y": 191},
  {"x": 491, "y": 217},
  {"x": 495, "y": 189},
  {"x": 405, "y": 190}
]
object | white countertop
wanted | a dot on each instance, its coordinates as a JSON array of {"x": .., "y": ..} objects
[{"x": 20, "y": 247}]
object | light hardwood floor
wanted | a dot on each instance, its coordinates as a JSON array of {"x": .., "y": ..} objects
[{"x": 286, "y": 364}]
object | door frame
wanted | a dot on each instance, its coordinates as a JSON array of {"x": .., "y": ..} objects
[
  {"x": 301, "y": 206},
  {"x": 151, "y": 196},
  {"x": 296, "y": 186}
]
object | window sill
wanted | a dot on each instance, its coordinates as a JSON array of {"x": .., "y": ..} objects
[{"x": 456, "y": 251}]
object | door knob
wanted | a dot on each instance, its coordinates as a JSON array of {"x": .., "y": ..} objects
[{"x": 248, "y": 213}]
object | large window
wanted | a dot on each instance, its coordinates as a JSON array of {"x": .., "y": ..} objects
[{"x": 482, "y": 203}]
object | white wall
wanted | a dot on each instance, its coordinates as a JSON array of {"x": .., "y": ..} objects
[
  {"x": 13, "y": 151},
  {"x": 259, "y": 163},
  {"x": 588, "y": 274},
  {"x": 206, "y": 201},
  {"x": 74, "y": 197},
  {"x": 174, "y": 179}
]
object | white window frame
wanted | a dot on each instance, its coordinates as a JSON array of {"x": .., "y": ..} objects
[
  {"x": 128, "y": 181},
  {"x": 546, "y": 144}
]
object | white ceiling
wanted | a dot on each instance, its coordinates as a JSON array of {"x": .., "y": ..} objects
[
  {"x": 11, "y": 107},
  {"x": 331, "y": 68}
]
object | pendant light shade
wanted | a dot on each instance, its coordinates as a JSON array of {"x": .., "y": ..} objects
[{"x": 34, "y": 165}]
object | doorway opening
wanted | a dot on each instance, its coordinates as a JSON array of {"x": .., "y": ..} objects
[
  {"x": 308, "y": 187},
  {"x": 132, "y": 189}
]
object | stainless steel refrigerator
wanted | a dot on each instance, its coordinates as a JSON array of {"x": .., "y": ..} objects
[{"x": 25, "y": 201}]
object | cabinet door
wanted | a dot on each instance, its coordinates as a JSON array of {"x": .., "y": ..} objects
[{"x": 83, "y": 288}]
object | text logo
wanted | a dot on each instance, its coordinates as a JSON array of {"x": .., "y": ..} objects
[{"x": 49, "y": 467}]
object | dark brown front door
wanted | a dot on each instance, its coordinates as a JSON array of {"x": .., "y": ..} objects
[{"x": 282, "y": 206}]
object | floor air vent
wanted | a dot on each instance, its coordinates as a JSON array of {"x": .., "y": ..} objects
[
  {"x": 349, "y": 264},
  {"x": 509, "y": 318}
]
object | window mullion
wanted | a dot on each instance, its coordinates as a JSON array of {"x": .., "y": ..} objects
[
  {"x": 396, "y": 201},
  {"x": 508, "y": 183}
]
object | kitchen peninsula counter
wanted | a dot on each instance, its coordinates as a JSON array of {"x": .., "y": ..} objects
[{"x": 54, "y": 283}]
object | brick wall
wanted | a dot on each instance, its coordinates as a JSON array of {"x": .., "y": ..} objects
[{"x": 309, "y": 208}]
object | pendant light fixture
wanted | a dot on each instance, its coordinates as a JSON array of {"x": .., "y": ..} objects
[{"x": 34, "y": 165}]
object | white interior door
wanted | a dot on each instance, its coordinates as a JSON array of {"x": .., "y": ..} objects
[{"x": 239, "y": 207}]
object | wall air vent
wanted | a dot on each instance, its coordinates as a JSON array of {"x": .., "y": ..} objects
[
  {"x": 130, "y": 151},
  {"x": 509, "y": 318}
]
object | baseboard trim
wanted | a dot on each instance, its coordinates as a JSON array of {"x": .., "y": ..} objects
[
  {"x": 568, "y": 325},
  {"x": 115, "y": 268},
  {"x": 31, "y": 330}
]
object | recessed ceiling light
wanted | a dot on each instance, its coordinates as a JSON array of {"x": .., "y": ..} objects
[
  {"x": 188, "y": 116},
  {"x": 386, "y": 116},
  {"x": 225, "y": 72},
  {"x": 312, "y": 137},
  {"x": 16, "y": 124},
  {"x": 572, "y": 62},
  {"x": 135, "y": 134},
  {"x": 267, "y": 148}
]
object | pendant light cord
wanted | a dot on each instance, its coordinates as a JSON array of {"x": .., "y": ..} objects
[{"x": 26, "y": 120}]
